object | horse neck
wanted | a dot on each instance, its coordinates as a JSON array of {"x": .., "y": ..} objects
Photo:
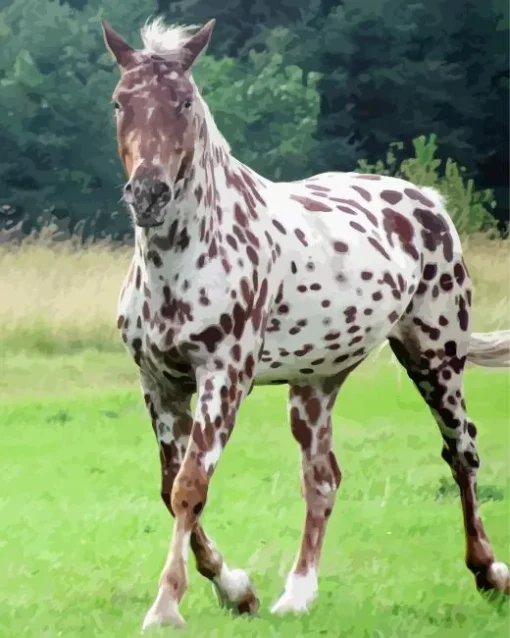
[{"x": 191, "y": 232}]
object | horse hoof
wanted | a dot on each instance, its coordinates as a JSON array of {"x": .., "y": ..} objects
[
  {"x": 249, "y": 604},
  {"x": 164, "y": 612},
  {"x": 287, "y": 604},
  {"x": 300, "y": 592}
]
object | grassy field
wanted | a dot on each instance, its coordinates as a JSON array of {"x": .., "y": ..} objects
[{"x": 83, "y": 533}]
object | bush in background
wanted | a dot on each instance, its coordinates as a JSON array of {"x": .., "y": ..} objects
[{"x": 469, "y": 208}]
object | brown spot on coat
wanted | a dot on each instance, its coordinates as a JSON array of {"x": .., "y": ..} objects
[
  {"x": 429, "y": 272},
  {"x": 301, "y": 236},
  {"x": 459, "y": 273},
  {"x": 312, "y": 205},
  {"x": 417, "y": 196},
  {"x": 279, "y": 226},
  {"x": 395, "y": 223},
  {"x": 357, "y": 227},
  {"x": 313, "y": 409},
  {"x": 340, "y": 247},
  {"x": 391, "y": 196},
  {"x": 363, "y": 192},
  {"x": 380, "y": 249},
  {"x": 210, "y": 337},
  {"x": 446, "y": 282},
  {"x": 300, "y": 429},
  {"x": 239, "y": 317}
]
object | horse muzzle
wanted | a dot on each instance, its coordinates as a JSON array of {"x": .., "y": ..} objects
[{"x": 147, "y": 200}]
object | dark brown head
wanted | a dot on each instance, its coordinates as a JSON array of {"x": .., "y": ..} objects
[{"x": 154, "y": 103}]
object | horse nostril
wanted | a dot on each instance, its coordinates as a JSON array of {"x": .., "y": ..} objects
[
  {"x": 160, "y": 189},
  {"x": 128, "y": 188}
]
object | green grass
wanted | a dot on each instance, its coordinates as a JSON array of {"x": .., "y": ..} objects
[{"x": 83, "y": 533}]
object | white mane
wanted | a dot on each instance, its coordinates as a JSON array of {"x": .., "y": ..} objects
[{"x": 167, "y": 42}]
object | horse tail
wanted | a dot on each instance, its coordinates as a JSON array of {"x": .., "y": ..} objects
[{"x": 490, "y": 349}]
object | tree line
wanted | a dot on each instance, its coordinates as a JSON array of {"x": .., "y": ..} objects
[{"x": 296, "y": 87}]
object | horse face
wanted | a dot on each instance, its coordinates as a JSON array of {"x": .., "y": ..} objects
[
  {"x": 155, "y": 135},
  {"x": 154, "y": 107}
]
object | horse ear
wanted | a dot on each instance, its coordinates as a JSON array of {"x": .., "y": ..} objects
[
  {"x": 117, "y": 46},
  {"x": 197, "y": 44}
]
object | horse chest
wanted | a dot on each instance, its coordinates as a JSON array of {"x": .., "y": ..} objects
[{"x": 151, "y": 327}]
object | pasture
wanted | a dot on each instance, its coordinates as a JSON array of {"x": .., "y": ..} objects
[{"x": 83, "y": 532}]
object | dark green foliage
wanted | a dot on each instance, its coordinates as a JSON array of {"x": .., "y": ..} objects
[
  {"x": 296, "y": 87},
  {"x": 58, "y": 150},
  {"x": 56, "y": 80},
  {"x": 393, "y": 70},
  {"x": 240, "y": 22},
  {"x": 267, "y": 114}
]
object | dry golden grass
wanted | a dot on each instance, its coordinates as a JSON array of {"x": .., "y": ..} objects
[
  {"x": 488, "y": 262},
  {"x": 57, "y": 297}
]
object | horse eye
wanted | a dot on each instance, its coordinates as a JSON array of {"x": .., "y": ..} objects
[
  {"x": 186, "y": 105},
  {"x": 116, "y": 106}
]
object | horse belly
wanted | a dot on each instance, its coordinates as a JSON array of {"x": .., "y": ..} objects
[{"x": 332, "y": 313}]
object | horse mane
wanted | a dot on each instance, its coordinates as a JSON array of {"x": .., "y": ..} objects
[{"x": 167, "y": 41}]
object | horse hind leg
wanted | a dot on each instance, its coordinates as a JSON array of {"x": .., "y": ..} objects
[{"x": 432, "y": 342}]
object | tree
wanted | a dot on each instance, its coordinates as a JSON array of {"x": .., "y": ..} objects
[
  {"x": 58, "y": 149},
  {"x": 393, "y": 70},
  {"x": 265, "y": 109},
  {"x": 240, "y": 24}
]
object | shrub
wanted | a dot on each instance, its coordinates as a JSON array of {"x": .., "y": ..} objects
[{"x": 469, "y": 208}]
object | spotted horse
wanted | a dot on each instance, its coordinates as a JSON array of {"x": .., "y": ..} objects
[{"x": 237, "y": 281}]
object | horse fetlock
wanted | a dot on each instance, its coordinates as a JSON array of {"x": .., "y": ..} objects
[
  {"x": 492, "y": 579},
  {"x": 235, "y": 591}
]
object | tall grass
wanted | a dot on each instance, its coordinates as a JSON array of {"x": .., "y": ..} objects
[
  {"x": 58, "y": 298},
  {"x": 488, "y": 262}
]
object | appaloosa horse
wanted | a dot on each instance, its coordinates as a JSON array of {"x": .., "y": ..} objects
[{"x": 237, "y": 280}]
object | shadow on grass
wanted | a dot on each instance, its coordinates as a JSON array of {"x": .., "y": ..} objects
[
  {"x": 448, "y": 616},
  {"x": 448, "y": 490},
  {"x": 122, "y": 598},
  {"x": 445, "y": 616}
]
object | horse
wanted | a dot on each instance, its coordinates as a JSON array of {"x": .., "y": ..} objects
[{"x": 237, "y": 281}]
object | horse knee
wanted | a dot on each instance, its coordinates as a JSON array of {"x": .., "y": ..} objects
[
  {"x": 321, "y": 482},
  {"x": 189, "y": 494}
]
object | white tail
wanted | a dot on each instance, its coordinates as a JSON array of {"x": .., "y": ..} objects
[{"x": 490, "y": 349}]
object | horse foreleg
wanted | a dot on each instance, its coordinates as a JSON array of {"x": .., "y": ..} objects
[{"x": 218, "y": 400}]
